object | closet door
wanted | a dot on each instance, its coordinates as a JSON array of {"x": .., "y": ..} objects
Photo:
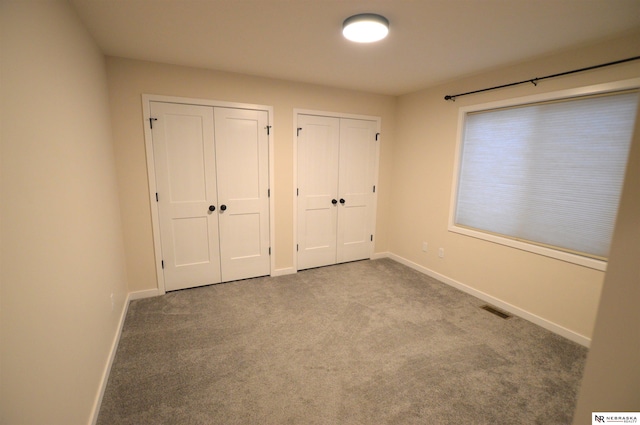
[
  {"x": 183, "y": 148},
  {"x": 242, "y": 158},
  {"x": 358, "y": 152},
  {"x": 336, "y": 175},
  {"x": 318, "y": 155}
]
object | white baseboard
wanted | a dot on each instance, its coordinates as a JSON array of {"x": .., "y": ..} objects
[
  {"x": 378, "y": 255},
  {"x": 147, "y": 293},
  {"x": 107, "y": 370},
  {"x": 533, "y": 318},
  {"x": 114, "y": 347},
  {"x": 283, "y": 272}
]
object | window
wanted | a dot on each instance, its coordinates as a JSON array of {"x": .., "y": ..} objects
[{"x": 545, "y": 176}]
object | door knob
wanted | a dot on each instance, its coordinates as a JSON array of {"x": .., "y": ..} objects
[
  {"x": 223, "y": 207},
  {"x": 342, "y": 201},
  {"x": 212, "y": 208},
  {"x": 333, "y": 201}
]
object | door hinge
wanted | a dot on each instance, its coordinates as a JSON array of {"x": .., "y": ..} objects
[
  {"x": 269, "y": 250},
  {"x": 297, "y": 247},
  {"x": 162, "y": 264},
  {"x": 156, "y": 196},
  {"x": 371, "y": 238},
  {"x": 298, "y": 131},
  {"x": 268, "y": 129},
  {"x": 268, "y": 193},
  {"x": 377, "y": 134},
  {"x": 297, "y": 192},
  {"x": 151, "y": 120},
  {"x": 374, "y": 188}
]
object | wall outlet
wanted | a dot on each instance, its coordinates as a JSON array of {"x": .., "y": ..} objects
[
  {"x": 441, "y": 252},
  {"x": 424, "y": 247}
]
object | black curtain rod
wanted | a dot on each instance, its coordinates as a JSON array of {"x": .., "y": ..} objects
[{"x": 534, "y": 81}]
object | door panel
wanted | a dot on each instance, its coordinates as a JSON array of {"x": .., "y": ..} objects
[
  {"x": 190, "y": 241},
  {"x": 185, "y": 147},
  {"x": 318, "y": 153},
  {"x": 242, "y": 158},
  {"x": 186, "y": 184},
  {"x": 358, "y": 152}
]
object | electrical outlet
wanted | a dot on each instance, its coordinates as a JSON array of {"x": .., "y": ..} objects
[
  {"x": 424, "y": 247},
  {"x": 441, "y": 252}
]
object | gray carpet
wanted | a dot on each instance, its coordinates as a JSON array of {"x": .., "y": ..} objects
[{"x": 370, "y": 342}]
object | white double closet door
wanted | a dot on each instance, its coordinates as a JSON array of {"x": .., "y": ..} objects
[
  {"x": 336, "y": 163},
  {"x": 212, "y": 179}
]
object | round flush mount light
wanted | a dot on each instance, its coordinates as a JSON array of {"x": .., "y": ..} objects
[{"x": 365, "y": 28}]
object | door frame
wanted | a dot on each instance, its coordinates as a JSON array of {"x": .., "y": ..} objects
[
  {"x": 296, "y": 113},
  {"x": 151, "y": 173}
]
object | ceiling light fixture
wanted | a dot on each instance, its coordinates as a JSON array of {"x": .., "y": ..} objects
[{"x": 365, "y": 28}]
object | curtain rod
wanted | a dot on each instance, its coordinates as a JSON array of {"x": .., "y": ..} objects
[{"x": 534, "y": 81}]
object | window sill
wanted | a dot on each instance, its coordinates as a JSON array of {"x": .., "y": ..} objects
[{"x": 568, "y": 257}]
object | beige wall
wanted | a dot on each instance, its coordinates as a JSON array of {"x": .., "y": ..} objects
[
  {"x": 612, "y": 377},
  {"x": 422, "y": 171},
  {"x": 129, "y": 79},
  {"x": 61, "y": 249}
]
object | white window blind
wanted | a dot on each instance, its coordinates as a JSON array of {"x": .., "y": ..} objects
[{"x": 548, "y": 173}]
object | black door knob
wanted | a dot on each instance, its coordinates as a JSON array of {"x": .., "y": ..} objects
[
  {"x": 342, "y": 201},
  {"x": 212, "y": 208},
  {"x": 333, "y": 201},
  {"x": 223, "y": 207}
]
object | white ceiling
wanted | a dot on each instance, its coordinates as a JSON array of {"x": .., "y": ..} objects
[{"x": 430, "y": 41}]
